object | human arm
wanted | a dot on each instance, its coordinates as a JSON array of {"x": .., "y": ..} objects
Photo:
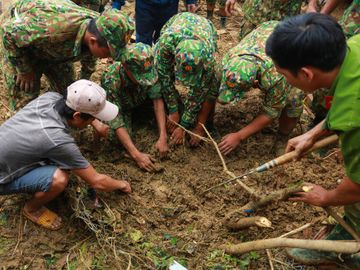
[
  {"x": 232, "y": 140},
  {"x": 101, "y": 182},
  {"x": 230, "y": 7},
  {"x": 330, "y": 6},
  {"x": 144, "y": 161},
  {"x": 101, "y": 128},
  {"x": 159, "y": 109},
  {"x": 347, "y": 192}
]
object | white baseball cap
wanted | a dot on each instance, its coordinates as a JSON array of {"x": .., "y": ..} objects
[{"x": 88, "y": 97}]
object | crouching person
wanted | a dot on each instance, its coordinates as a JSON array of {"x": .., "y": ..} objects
[
  {"x": 130, "y": 84},
  {"x": 37, "y": 149}
]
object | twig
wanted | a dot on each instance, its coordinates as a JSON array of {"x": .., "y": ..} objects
[
  {"x": 332, "y": 153},
  {"x": 226, "y": 170},
  {"x": 190, "y": 132},
  {"x": 270, "y": 257},
  {"x": 19, "y": 233},
  {"x": 307, "y": 225},
  {"x": 7, "y": 107}
]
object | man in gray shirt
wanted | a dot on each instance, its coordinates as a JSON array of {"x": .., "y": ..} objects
[{"x": 36, "y": 148}]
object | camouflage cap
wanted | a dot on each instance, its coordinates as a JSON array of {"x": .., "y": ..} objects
[
  {"x": 116, "y": 27},
  {"x": 139, "y": 61},
  {"x": 238, "y": 75},
  {"x": 189, "y": 61}
]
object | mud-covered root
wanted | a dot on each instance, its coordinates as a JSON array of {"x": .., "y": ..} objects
[
  {"x": 348, "y": 247},
  {"x": 244, "y": 223}
]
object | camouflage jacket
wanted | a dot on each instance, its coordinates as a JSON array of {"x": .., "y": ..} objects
[
  {"x": 191, "y": 27},
  {"x": 253, "y": 68},
  {"x": 124, "y": 93},
  {"x": 258, "y": 11},
  {"x": 45, "y": 30}
]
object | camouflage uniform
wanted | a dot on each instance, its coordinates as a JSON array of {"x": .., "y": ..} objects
[
  {"x": 247, "y": 66},
  {"x": 122, "y": 91},
  {"x": 185, "y": 52},
  {"x": 350, "y": 20},
  {"x": 45, "y": 37},
  {"x": 259, "y": 11}
]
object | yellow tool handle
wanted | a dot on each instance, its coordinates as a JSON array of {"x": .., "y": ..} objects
[{"x": 292, "y": 155}]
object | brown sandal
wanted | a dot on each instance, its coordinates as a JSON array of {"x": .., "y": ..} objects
[{"x": 46, "y": 219}]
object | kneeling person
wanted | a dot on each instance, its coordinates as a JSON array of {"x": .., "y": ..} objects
[
  {"x": 247, "y": 66},
  {"x": 130, "y": 84},
  {"x": 37, "y": 149}
]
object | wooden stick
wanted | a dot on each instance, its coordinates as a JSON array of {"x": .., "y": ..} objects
[
  {"x": 348, "y": 247},
  {"x": 307, "y": 225},
  {"x": 270, "y": 257},
  {"x": 247, "y": 222},
  {"x": 243, "y": 185}
]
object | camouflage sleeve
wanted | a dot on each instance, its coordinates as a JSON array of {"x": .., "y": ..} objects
[
  {"x": 192, "y": 104},
  {"x": 111, "y": 82},
  {"x": 164, "y": 62},
  {"x": 15, "y": 40},
  {"x": 155, "y": 91},
  {"x": 275, "y": 99}
]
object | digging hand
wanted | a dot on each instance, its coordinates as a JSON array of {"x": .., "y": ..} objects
[
  {"x": 162, "y": 146},
  {"x": 125, "y": 186},
  {"x": 145, "y": 161},
  {"x": 300, "y": 144},
  {"x": 194, "y": 141},
  {"x": 191, "y": 8},
  {"x": 101, "y": 129},
  {"x": 174, "y": 117},
  {"x": 230, "y": 7},
  {"x": 177, "y": 137},
  {"x": 25, "y": 81},
  {"x": 316, "y": 195},
  {"x": 229, "y": 143}
]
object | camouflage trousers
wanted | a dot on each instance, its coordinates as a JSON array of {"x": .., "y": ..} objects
[
  {"x": 294, "y": 103},
  {"x": 350, "y": 20},
  {"x": 59, "y": 75}
]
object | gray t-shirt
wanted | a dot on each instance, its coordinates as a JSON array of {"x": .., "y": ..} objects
[{"x": 35, "y": 136}]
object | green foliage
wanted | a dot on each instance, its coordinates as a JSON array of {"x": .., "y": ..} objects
[
  {"x": 3, "y": 218},
  {"x": 218, "y": 260},
  {"x": 49, "y": 261}
]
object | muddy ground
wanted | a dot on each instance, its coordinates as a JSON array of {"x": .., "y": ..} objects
[{"x": 168, "y": 216}]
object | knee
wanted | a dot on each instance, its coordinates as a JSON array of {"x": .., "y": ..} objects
[{"x": 60, "y": 179}]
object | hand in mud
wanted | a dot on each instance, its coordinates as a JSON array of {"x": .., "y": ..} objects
[
  {"x": 177, "y": 137},
  {"x": 25, "y": 81},
  {"x": 191, "y": 8},
  {"x": 229, "y": 143},
  {"x": 145, "y": 161},
  {"x": 101, "y": 129},
  {"x": 300, "y": 144},
  {"x": 125, "y": 186},
  {"x": 194, "y": 141},
  {"x": 174, "y": 117},
  {"x": 230, "y": 7},
  {"x": 162, "y": 146},
  {"x": 317, "y": 196}
]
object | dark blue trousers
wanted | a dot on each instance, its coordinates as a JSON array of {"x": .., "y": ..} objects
[{"x": 150, "y": 17}]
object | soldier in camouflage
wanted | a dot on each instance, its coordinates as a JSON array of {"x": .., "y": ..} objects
[
  {"x": 259, "y": 11},
  {"x": 185, "y": 53},
  {"x": 129, "y": 84},
  {"x": 247, "y": 66},
  {"x": 47, "y": 36}
]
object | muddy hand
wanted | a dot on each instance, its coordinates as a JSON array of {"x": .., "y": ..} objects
[
  {"x": 162, "y": 146},
  {"x": 315, "y": 196},
  {"x": 194, "y": 141},
  {"x": 146, "y": 162},
  {"x": 25, "y": 81},
  {"x": 229, "y": 143},
  {"x": 170, "y": 125},
  {"x": 177, "y": 137},
  {"x": 125, "y": 186}
]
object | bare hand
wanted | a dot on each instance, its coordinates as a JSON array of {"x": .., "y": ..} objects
[
  {"x": 25, "y": 81},
  {"x": 316, "y": 196},
  {"x": 230, "y": 7},
  {"x": 194, "y": 141},
  {"x": 125, "y": 186},
  {"x": 177, "y": 137},
  {"x": 300, "y": 144},
  {"x": 145, "y": 161},
  {"x": 174, "y": 117},
  {"x": 191, "y": 8},
  {"x": 162, "y": 146},
  {"x": 101, "y": 128},
  {"x": 229, "y": 143}
]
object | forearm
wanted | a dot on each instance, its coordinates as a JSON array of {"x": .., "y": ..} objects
[
  {"x": 347, "y": 192},
  {"x": 260, "y": 122},
  {"x": 160, "y": 116},
  {"x": 318, "y": 131},
  {"x": 106, "y": 183},
  {"x": 313, "y": 4},
  {"x": 329, "y": 6},
  {"x": 126, "y": 141}
]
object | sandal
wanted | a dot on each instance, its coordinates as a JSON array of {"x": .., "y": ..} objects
[{"x": 46, "y": 219}]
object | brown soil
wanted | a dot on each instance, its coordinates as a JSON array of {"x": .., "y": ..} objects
[{"x": 167, "y": 216}]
